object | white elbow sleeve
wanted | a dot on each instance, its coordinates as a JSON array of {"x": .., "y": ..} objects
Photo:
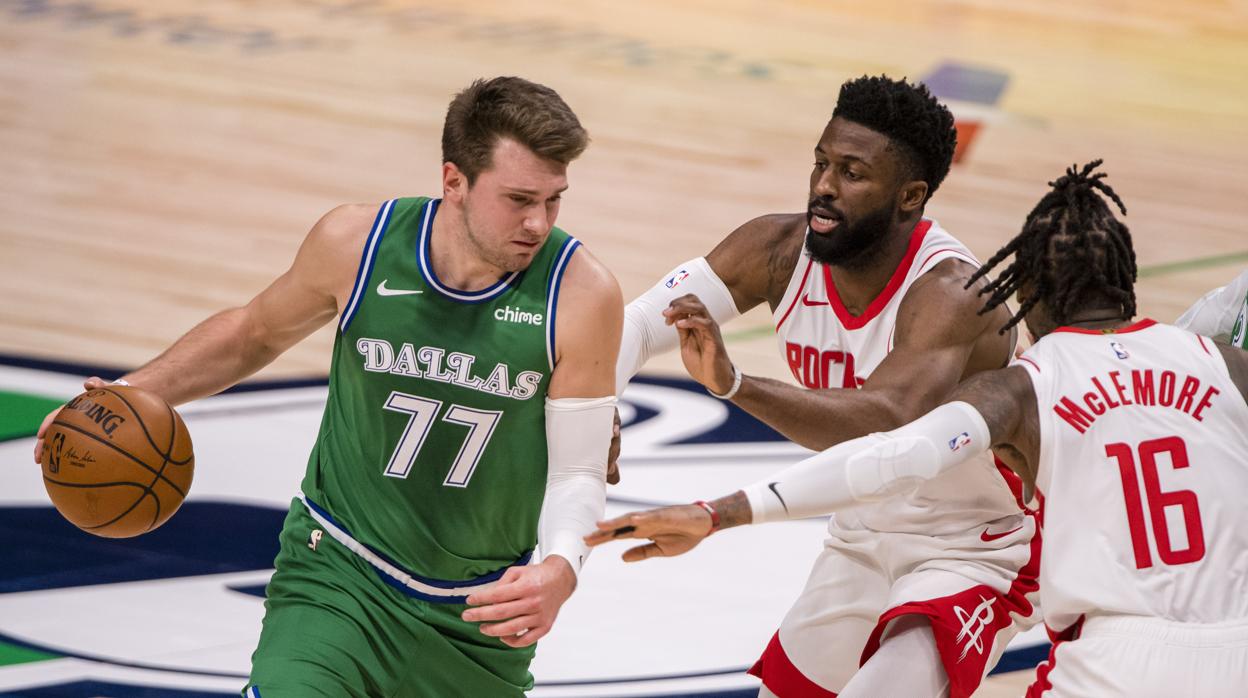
[
  {"x": 873, "y": 467},
  {"x": 646, "y": 333},
  {"x": 903, "y": 458},
  {"x": 578, "y": 436}
]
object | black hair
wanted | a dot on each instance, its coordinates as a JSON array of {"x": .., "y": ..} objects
[
  {"x": 910, "y": 116},
  {"x": 1071, "y": 253}
]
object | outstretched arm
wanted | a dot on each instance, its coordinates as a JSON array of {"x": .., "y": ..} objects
[
  {"x": 728, "y": 281},
  {"x": 938, "y": 328},
  {"x": 235, "y": 343},
  {"x": 988, "y": 410}
]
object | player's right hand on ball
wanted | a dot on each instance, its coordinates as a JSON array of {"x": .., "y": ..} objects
[
  {"x": 90, "y": 384},
  {"x": 672, "y": 531}
]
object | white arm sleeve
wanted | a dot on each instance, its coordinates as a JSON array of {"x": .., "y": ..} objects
[
  {"x": 578, "y": 434},
  {"x": 1214, "y": 314},
  {"x": 872, "y": 467},
  {"x": 645, "y": 331}
]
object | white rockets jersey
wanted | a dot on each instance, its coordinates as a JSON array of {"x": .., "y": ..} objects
[
  {"x": 1144, "y": 469},
  {"x": 827, "y": 347}
]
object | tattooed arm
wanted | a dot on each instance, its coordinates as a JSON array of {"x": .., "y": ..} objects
[{"x": 994, "y": 409}]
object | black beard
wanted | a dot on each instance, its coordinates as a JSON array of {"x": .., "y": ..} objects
[{"x": 854, "y": 246}]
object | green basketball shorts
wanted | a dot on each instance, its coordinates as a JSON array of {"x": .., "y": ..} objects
[{"x": 335, "y": 626}]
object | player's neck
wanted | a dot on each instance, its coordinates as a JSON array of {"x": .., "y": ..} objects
[
  {"x": 456, "y": 261},
  {"x": 1099, "y": 319},
  {"x": 860, "y": 283}
]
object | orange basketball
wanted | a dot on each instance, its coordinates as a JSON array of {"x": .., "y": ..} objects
[{"x": 117, "y": 461}]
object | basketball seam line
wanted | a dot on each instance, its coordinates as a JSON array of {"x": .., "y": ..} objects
[
  {"x": 143, "y": 425},
  {"x": 118, "y": 449}
]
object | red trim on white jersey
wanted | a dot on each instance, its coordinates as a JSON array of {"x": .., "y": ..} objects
[
  {"x": 801, "y": 289},
  {"x": 1141, "y": 324},
  {"x": 853, "y": 322},
  {"x": 781, "y": 677},
  {"x": 953, "y": 250},
  {"x": 1202, "y": 345},
  {"x": 1033, "y": 363}
]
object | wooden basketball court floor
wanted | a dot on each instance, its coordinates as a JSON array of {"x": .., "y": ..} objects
[{"x": 163, "y": 160}]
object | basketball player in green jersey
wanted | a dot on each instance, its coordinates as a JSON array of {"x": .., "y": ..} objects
[
  {"x": 469, "y": 415},
  {"x": 1221, "y": 314}
]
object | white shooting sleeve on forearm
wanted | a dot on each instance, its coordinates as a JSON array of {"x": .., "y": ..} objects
[
  {"x": 578, "y": 436},
  {"x": 872, "y": 467},
  {"x": 646, "y": 332},
  {"x": 1214, "y": 314}
]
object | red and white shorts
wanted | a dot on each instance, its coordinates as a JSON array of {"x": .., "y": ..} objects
[
  {"x": 1108, "y": 656},
  {"x": 977, "y": 588}
]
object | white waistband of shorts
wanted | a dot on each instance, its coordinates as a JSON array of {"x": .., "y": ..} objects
[
  {"x": 1171, "y": 632},
  {"x": 421, "y": 587}
]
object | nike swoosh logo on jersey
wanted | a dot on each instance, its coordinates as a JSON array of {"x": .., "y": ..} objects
[
  {"x": 383, "y": 291},
  {"x": 806, "y": 301},
  {"x": 989, "y": 537}
]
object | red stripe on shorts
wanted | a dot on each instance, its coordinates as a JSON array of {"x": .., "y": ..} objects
[
  {"x": 782, "y": 678},
  {"x": 1042, "y": 683},
  {"x": 966, "y": 624}
]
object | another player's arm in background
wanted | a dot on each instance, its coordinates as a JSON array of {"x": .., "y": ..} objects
[
  {"x": 728, "y": 281},
  {"x": 1215, "y": 313},
  {"x": 235, "y": 343},
  {"x": 993, "y": 409},
  {"x": 1237, "y": 364},
  {"x": 580, "y": 405},
  {"x": 938, "y": 326}
]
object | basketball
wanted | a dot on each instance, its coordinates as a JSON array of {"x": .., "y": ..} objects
[{"x": 117, "y": 461}]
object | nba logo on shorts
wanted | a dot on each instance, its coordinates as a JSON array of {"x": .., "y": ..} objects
[
  {"x": 959, "y": 441},
  {"x": 1119, "y": 350},
  {"x": 676, "y": 278}
]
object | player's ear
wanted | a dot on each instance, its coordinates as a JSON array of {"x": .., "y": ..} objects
[
  {"x": 912, "y": 195},
  {"x": 454, "y": 182}
]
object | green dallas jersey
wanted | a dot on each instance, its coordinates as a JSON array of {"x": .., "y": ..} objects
[
  {"x": 432, "y": 448},
  {"x": 1239, "y": 333}
]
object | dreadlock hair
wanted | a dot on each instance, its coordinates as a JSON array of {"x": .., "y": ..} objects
[
  {"x": 911, "y": 118},
  {"x": 1072, "y": 252}
]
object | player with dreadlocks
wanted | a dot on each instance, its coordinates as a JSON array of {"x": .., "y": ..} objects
[
  {"x": 1071, "y": 219},
  {"x": 875, "y": 322},
  {"x": 1132, "y": 432}
]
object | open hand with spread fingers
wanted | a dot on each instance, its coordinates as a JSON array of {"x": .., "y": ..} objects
[{"x": 672, "y": 530}]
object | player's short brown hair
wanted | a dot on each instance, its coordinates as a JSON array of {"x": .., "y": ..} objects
[{"x": 509, "y": 107}]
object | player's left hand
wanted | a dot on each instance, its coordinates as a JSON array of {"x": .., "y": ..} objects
[
  {"x": 522, "y": 606},
  {"x": 673, "y": 530},
  {"x": 702, "y": 346}
]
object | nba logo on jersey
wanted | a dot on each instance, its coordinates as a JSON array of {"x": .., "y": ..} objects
[
  {"x": 676, "y": 278},
  {"x": 959, "y": 441},
  {"x": 1119, "y": 350}
]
